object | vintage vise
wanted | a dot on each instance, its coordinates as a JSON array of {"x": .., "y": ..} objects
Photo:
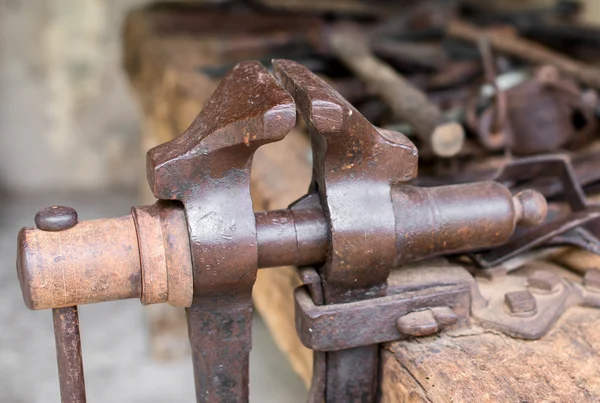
[{"x": 200, "y": 245}]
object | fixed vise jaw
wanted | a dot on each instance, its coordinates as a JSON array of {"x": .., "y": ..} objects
[
  {"x": 207, "y": 168},
  {"x": 200, "y": 246}
]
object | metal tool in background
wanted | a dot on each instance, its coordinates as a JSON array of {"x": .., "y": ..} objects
[
  {"x": 445, "y": 138},
  {"x": 546, "y": 113},
  {"x": 201, "y": 245},
  {"x": 577, "y": 227}
]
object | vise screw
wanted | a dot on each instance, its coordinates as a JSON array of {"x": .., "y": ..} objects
[{"x": 200, "y": 245}]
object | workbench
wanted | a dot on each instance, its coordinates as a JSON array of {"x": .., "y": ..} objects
[{"x": 169, "y": 64}]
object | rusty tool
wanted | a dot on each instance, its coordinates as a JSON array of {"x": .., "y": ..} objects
[
  {"x": 567, "y": 229},
  {"x": 425, "y": 55},
  {"x": 558, "y": 23},
  {"x": 535, "y": 116},
  {"x": 525, "y": 49},
  {"x": 541, "y": 113},
  {"x": 350, "y": 44},
  {"x": 65, "y": 319},
  {"x": 200, "y": 246}
]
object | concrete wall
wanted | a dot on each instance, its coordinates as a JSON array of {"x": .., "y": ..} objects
[
  {"x": 592, "y": 14},
  {"x": 67, "y": 119}
]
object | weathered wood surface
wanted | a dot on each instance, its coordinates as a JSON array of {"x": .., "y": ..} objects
[
  {"x": 471, "y": 367},
  {"x": 483, "y": 366}
]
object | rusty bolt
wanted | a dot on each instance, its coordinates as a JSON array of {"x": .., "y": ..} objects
[
  {"x": 591, "y": 280},
  {"x": 444, "y": 316},
  {"x": 420, "y": 323},
  {"x": 520, "y": 302},
  {"x": 544, "y": 281},
  {"x": 56, "y": 218}
]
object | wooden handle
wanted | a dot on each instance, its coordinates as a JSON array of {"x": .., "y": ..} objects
[{"x": 445, "y": 138}]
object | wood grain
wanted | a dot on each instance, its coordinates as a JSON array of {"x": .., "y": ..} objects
[{"x": 483, "y": 366}]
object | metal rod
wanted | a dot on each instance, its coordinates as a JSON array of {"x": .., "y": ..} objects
[
  {"x": 407, "y": 102},
  {"x": 68, "y": 355},
  {"x": 352, "y": 375},
  {"x": 221, "y": 340},
  {"x": 295, "y": 237},
  {"x": 527, "y": 50}
]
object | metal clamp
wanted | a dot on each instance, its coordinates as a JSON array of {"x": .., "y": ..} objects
[{"x": 379, "y": 320}]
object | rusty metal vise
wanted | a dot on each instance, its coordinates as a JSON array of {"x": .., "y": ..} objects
[{"x": 200, "y": 246}]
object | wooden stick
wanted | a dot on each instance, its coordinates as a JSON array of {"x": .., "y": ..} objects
[
  {"x": 527, "y": 50},
  {"x": 350, "y": 45}
]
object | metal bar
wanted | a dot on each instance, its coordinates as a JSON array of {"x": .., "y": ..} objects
[
  {"x": 343, "y": 382},
  {"x": 350, "y": 45},
  {"x": 220, "y": 337},
  {"x": 352, "y": 375},
  {"x": 528, "y": 50},
  {"x": 68, "y": 354},
  {"x": 373, "y": 321},
  {"x": 319, "y": 376}
]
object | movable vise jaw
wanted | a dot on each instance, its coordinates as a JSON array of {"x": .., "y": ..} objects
[{"x": 199, "y": 247}]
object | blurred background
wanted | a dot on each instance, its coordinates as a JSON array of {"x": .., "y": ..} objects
[{"x": 87, "y": 86}]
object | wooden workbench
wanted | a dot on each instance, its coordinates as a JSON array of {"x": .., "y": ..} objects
[{"x": 165, "y": 69}]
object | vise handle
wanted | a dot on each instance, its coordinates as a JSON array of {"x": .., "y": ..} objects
[{"x": 146, "y": 254}]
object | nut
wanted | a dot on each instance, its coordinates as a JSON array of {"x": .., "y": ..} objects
[
  {"x": 520, "y": 302},
  {"x": 544, "y": 281},
  {"x": 591, "y": 280}
]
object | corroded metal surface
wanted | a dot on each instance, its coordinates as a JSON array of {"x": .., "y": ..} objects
[
  {"x": 356, "y": 168},
  {"x": 296, "y": 236},
  {"x": 543, "y": 114},
  {"x": 208, "y": 169},
  {"x": 346, "y": 145},
  {"x": 68, "y": 354},
  {"x": 527, "y": 304},
  {"x": 125, "y": 250},
  {"x": 444, "y": 220},
  {"x": 557, "y": 231},
  {"x": 56, "y": 218},
  {"x": 201, "y": 244},
  {"x": 540, "y": 114},
  {"x": 373, "y": 320},
  {"x": 65, "y": 320}
]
